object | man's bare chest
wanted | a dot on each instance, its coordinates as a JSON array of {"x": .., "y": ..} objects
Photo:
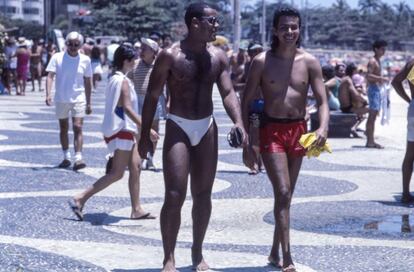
[
  {"x": 280, "y": 76},
  {"x": 196, "y": 68}
]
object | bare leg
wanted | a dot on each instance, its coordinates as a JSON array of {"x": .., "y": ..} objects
[
  {"x": 64, "y": 139},
  {"x": 283, "y": 173},
  {"x": 203, "y": 171},
  {"x": 77, "y": 133},
  {"x": 33, "y": 80},
  {"x": 120, "y": 161},
  {"x": 134, "y": 184},
  {"x": 407, "y": 171},
  {"x": 176, "y": 145},
  {"x": 370, "y": 127},
  {"x": 23, "y": 86}
]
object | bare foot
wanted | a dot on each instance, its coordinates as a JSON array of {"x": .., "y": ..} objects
[
  {"x": 290, "y": 268},
  {"x": 201, "y": 266},
  {"x": 169, "y": 267},
  {"x": 407, "y": 198},
  {"x": 276, "y": 262}
]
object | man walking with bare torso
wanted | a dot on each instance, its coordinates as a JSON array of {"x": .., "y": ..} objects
[
  {"x": 190, "y": 68},
  {"x": 375, "y": 80},
  {"x": 284, "y": 75}
]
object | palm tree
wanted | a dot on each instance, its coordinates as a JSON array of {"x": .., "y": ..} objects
[
  {"x": 341, "y": 5},
  {"x": 403, "y": 13},
  {"x": 369, "y": 6}
]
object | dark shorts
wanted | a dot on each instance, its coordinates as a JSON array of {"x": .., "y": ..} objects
[{"x": 282, "y": 136}]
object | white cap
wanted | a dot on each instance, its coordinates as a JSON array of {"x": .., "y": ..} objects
[
  {"x": 137, "y": 44},
  {"x": 151, "y": 43}
]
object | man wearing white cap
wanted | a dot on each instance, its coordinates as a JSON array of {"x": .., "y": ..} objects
[
  {"x": 140, "y": 77},
  {"x": 72, "y": 95}
]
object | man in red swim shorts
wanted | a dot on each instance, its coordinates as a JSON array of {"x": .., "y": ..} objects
[{"x": 284, "y": 74}]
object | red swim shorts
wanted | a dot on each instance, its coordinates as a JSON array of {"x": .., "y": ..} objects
[{"x": 283, "y": 137}]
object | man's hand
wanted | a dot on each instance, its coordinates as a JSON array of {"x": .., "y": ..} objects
[
  {"x": 154, "y": 136},
  {"x": 88, "y": 109},
  {"x": 145, "y": 146},
  {"x": 48, "y": 101},
  {"x": 245, "y": 141},
  {"x": 321, "y": 136}
]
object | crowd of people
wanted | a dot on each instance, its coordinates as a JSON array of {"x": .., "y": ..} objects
[{"x": 264, "y": 91}]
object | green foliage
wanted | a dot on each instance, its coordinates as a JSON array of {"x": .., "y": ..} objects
[
  {"x": 137, "y": 18},
  {"x": 344, "y": 27},
  {"x": 26, "y": 29},
  {"x": 335, "y": 26}
]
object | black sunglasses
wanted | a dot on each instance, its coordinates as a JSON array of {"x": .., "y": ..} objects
[
  {"x": 73, "y": 44},
  {"x": 212, "y": 20}
]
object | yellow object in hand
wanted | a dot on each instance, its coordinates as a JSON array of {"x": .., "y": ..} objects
[
  {"x": 308, "y": 142},
  {"x": 410, "y": 75}
]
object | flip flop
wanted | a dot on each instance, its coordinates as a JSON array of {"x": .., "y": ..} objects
[
  {"x": 273, "y": 263},
  {"x": 378, "y": 146},
  {"x": 76, "y": 210},
  {"x": 145, "y": 216}
]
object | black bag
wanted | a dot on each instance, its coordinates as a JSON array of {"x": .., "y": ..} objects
[{"x": 235, "y": 137}]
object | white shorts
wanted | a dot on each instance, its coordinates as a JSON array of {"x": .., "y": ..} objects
[
  {"x": 96, "y": 68},
  {"x": 122, "y": 140},
  {"x": 76, "y": 109}
]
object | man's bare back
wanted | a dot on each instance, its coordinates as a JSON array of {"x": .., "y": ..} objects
[
  {"x": 191, "y": 79},
  {"x": 285, "y": 92}
]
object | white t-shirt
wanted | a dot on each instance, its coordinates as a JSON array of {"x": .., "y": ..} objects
[{"x": 70, "y": 72}]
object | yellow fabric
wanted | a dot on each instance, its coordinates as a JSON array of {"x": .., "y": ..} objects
[
  {"x": 308, "y": 141},
  {"x": 410, "y": 76}
]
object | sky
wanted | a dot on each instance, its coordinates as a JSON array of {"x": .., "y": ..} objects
[{"x": 328, "y": 3}]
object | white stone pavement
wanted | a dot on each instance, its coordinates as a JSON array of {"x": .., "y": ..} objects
[{"x": 234, "y": 221}]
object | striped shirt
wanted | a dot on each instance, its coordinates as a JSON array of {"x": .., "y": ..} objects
[{"x": 140, "y": 76}]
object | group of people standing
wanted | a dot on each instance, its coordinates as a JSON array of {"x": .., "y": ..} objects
[
  {"x": 280, "y": 76},
  {"x": 24, "y": 58}
]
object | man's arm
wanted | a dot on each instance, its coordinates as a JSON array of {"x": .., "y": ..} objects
[
  {"x": 318, "y": 88},
  {"x": 88, "y": 87},
  {"x": 228, "y": 95},
  {"x": 251, "y": 88},
  {"x": 399, "y": 78},
  {"x": 156, "y": 83},
  {"x": 49, "y": 82},
  {"x": 355, "y": 95}
]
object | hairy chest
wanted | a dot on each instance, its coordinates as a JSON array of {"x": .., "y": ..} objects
[{"x": 189, "y": 67}]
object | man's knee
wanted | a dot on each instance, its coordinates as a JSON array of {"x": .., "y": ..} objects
[
  {"x": 202, "y": 196},
  {"x": 77, "y": 128},
  {"x": 174, "y": 198},
  {"x": 283, "y": 197}
]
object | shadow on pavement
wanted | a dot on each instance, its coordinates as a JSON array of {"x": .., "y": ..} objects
[{"x": 189, "y": 268}]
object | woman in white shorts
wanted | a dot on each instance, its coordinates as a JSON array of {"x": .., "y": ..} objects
[{"x": 120, "y": 128}]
